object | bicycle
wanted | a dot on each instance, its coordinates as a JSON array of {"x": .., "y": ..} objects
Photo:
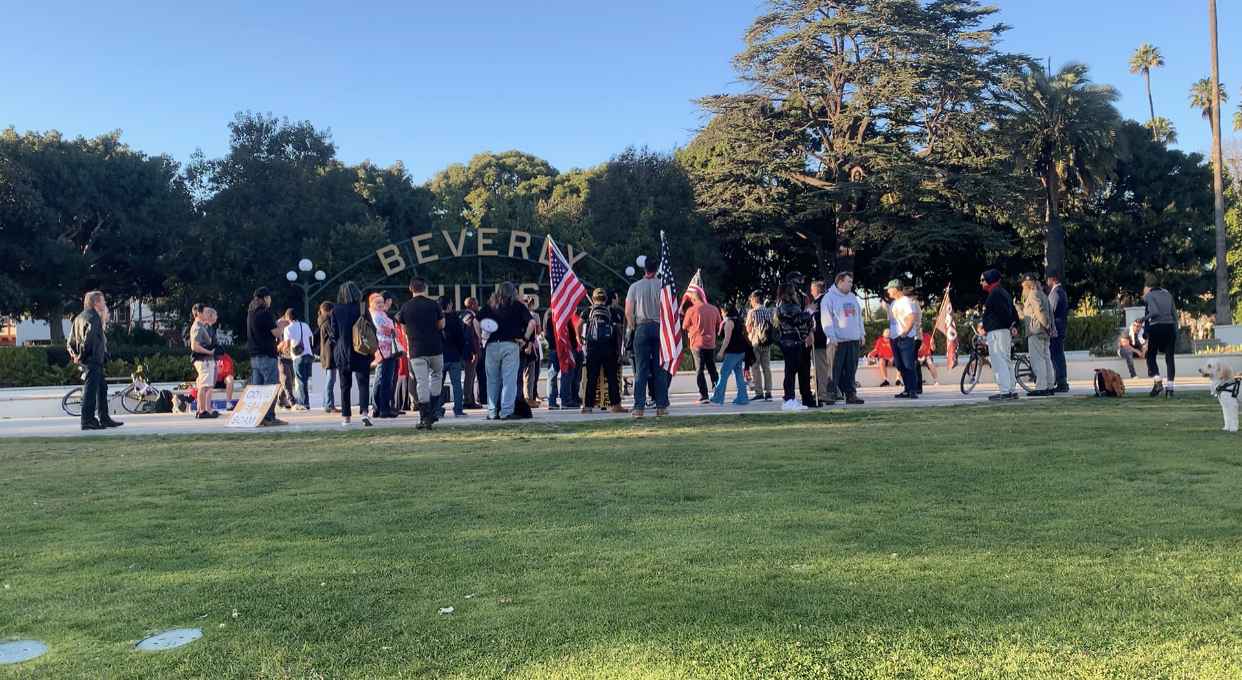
[
  {"x": 139, "y": 396},
  {"x": 1022, "y": 371}
]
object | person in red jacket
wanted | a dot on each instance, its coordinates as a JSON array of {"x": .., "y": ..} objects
[
  {"x": 925, "y": 357},
  {"x": 882, "y": 353}
]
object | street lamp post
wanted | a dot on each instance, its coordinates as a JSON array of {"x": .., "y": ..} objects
[{"x": 308, "y": 287}]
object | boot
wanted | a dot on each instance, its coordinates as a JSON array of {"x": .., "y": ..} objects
[
  {"x": 424, "y": 417},
  {"x": 436, "y": 400}
]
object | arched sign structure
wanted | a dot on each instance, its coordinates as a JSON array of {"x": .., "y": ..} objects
[{"x": 429, "y": 250}]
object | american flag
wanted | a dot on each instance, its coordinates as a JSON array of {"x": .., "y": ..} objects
[
  {"x": 670, "y": 318},
  {"x": 567, "y": 292},
  {"x": 944, "y": 324},
  {"x": 696, "y": 286}
]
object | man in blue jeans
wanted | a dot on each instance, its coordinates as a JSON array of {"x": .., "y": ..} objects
[
  {"x": 262, "y": 331},
  {"x": 642, "y": 313},
  {"x": 902, "y": 334}
]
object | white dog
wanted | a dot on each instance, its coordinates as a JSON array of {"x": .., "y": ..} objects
[{"x": 1225, "y": 387}]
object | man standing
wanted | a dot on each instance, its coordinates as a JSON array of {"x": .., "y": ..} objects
[
  {"x": 998, "y": 323},
  {"x": 642, "y": 313},
  {"x": 598, "y": 333},
  {"x": 761, "y": 333},
  {"x": 901, "y": 335},
  {"x": 1037, "y": 313},
  {"x": 701, "y": 323},
  {"x": 841, "y": 318},
  {"x": 1060, "y": 315},
  {"x": 823, "y": 351},
  {"x": 475, "y": 355},
  {"x": 203, "y": 353},
  {"x": 424, "y": 324},
  {"x": 455, "y": 347},
  {"x": 89, "y": 348},
  {"x": 262, "y": 332}
]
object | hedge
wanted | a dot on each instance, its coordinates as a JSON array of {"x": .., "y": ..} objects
[{"x": 33, "y": 366}]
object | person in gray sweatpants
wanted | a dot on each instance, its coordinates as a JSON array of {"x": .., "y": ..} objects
[
  {"x": 840, "y": 314},
  {"x": 1037, "y": 313}
]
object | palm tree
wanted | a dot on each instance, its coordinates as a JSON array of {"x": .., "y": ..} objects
[
  {"x": 1223, "y": 314},
  {"x": 1066, "y": 130},
  {"x": 1163, "y": 130},
  {"x": 1201, "y": 97},
  {"x": 1144, "y": 60}
]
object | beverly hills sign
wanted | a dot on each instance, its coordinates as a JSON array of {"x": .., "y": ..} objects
[{"x": 485, "y": 242}]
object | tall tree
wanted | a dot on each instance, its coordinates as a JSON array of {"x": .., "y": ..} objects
[
  {"x": 1162, "y": 129},
  {"x": 1201, "y": 94},
  {"x": 1146, "y": 58},
  {"x": 1065, "y": 131},
  {"x": 1223, "y": 315},
  {"x": 877, "y": 111}
]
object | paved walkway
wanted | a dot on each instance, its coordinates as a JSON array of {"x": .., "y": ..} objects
[{"x": 682, "y": 406}]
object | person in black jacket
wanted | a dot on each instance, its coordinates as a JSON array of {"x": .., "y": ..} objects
[
  {"x": 455, "y": 350},
  {"x": 1060, "y": 318},
  {"x": 999, "y": 319},
  {"x": 89, "y": 348},
  {"x": 351, "y": 366}
]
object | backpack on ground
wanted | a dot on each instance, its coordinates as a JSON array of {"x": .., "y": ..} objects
[
  {"x": 1108, "y": 383},
  {"x": 365, "y": 340},
  {"x": 599, "y": 327},
  {"x": 164, "y": 403}
]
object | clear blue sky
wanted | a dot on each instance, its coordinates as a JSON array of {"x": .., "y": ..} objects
[{"x": 432, "y": 83}]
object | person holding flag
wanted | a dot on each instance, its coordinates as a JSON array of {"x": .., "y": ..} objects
[
  {"x": 944, "y": 324},
  {"x": 567, "y": 292},
  {"x": 643, "y": 303}
]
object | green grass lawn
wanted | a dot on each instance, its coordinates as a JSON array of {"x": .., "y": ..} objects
[{"x": 1079, "y": 538}]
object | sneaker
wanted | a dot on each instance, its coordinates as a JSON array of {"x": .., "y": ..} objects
[
  {"x": 300, "y": 407},
  {"x": 1168, "y": 393},
  {"x": 1062, "y": 388},
  {"x": 998, "y": 397},
  {"x": 853, "y": 399},
  {"x": 344, "y": 422},
  {"x": 1012, "y": 395},
  {"x": 275, "y": 422},
  {"x": 757, "y": 397},
  {"x": 553, "y": 407},
  {"x": 94, "y": 425},
  {"x": 904, "y": 395},
  {"x": 206, "y": 415},
  {"x": 661, "y": 412},
  {"x": 637, "y": 413},
  {"x": 703, "y": 400},
  {"x": 366, "y": 421},
  {"x": 618, "y": 409},
  {"x": 767, "y": 396},
  {"x": 587, "y": 410},
  {"x": 1157, "y": 388},
  {"x": 935, "y": 382},
  {"x": 884, "y": 384}
]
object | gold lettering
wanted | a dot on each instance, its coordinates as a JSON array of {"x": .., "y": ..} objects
[
  {"x": 519, "y": 240},
  {"x": 484, "y": 241},
  {"x": 390, "y": 257},
  {"x": 461, "y": 242},
  {"x": 543, "y": 252},
  {"x": 573, "y": 259},
  {"x": 421, "y": 248},
  {"x": 531, "y": 289},
  {"x": 457, "y": 297}
]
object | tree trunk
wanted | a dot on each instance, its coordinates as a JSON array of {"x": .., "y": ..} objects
[
  {"x": 1151, "y": 106},
  {"x": 56, "y": 324},
  {"x": 1223, "y": 315},
  {"x": 1054, "y": 238},
  {"x": 844, "y": 260}
]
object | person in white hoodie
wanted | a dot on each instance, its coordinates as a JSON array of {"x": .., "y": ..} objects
[{"x": 841, "y": 316}]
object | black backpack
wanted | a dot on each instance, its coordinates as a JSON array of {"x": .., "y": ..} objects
[{"x": 599, "y": 328}]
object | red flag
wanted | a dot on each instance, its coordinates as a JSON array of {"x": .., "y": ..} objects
[
  {"x": 670, "y": 315},
  {"x": 567, "y": 292},
  {"x": 944, "y": 324}
]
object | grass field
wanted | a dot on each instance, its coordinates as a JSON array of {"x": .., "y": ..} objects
[{"x": 1080, "y": 539}]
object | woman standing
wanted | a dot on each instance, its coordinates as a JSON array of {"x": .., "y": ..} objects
[
  {"x": 325, "y": 356},
  {"x": 297, "y": 339},
  {"x": 732, "y": 354},
  {"x": 385, "y": 357},
  {"x": 508, "y": 326},
  {"x": 1161, "y": 320},
  {"x": 795, "y": 324},
  {"x": 353, "y": 367}
]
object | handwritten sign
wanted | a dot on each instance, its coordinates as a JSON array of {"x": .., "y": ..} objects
[{"x": 253, "y": 405}]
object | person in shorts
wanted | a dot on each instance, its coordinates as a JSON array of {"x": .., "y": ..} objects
[{"x": 203, "y": 349}]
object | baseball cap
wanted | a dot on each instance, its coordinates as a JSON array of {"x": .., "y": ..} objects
[
  {"x": 1031, "y": 276},
  {"x": 262, "y": 292},
  {"x": 599, "y": 294},
  {"x": 895, "y": 283}
]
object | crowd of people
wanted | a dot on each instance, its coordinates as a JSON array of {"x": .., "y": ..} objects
[{"x": 426, "y": 356}]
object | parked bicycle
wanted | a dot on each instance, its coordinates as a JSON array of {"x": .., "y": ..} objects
[
  {"x": 139, "y": 396},
  {"x": 1022, "y": 371}
]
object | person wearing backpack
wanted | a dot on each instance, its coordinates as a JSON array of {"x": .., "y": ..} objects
[
  {"x": 761, "y": 330},
  {"x": 349, "y": 334},
  {"x": 598, "y": 333}
]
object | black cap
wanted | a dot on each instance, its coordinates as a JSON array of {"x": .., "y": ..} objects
[
  {"x": 1031, "y": 276},
  {"x": 262, "y": 292},
  {"x": 795, "y": 277}
]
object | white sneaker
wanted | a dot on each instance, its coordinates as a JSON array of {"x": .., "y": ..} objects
[
  {"x": 935, "y": 382},
  {"x": 801, "y": 407},
  {"x": 792, "y": 405},
  {"x": 344, "y": 422},
  {"x": 366, "y": 420}
]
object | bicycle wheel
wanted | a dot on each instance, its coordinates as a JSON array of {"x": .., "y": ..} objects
[
  {"x": 1023, "y": 373},
  {"x": 72, "y": 402},
  {"x": 970, "y": 373},
  {"x": 139, "y": 401}
]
